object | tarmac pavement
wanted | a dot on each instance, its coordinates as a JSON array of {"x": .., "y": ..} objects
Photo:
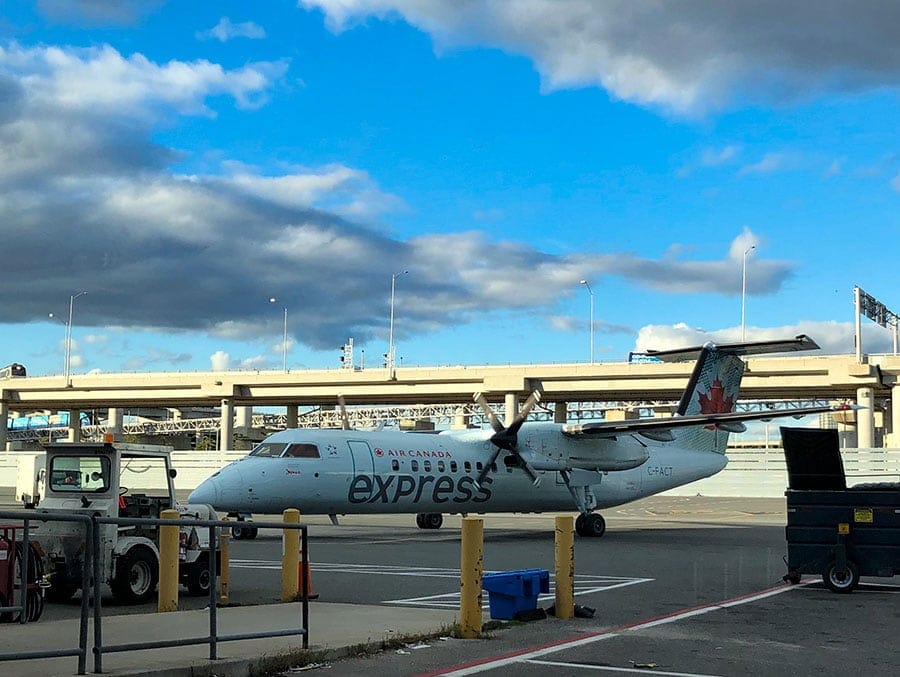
[{"x": 336, "y": 630}]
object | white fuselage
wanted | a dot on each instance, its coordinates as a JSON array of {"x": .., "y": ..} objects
[{"x": 365, "y": 472}]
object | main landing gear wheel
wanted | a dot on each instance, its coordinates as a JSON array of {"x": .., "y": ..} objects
[
  {"x": 841, "y": 579},
  {"x": 243, "y": 531},
  {"x": 429, "y": 520},
  {"x": 590, "y": 525}
]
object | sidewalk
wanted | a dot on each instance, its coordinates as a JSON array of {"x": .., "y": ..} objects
[{"x": 334, "y": 629}]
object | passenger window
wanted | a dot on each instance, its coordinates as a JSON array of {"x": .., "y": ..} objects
[
  {"x": 453, "y": 466},
  {"x": 440, "y": 466},
  {"x": 468, "y": 466},
  {"x": 426, "y": 465},
  {"x": 395, "y": 464},
  {"x": 414, "y": 465},
  {"x": 301, "y": 451},
  {"x": 478, "y": 466}
]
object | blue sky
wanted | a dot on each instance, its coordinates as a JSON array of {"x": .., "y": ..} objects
[{"x": 183, "y": 162}]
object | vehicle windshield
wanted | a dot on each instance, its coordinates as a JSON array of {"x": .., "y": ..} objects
[{"x": 79, "y": 473}]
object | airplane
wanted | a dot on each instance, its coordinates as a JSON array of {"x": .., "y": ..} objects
[{"x": 525, "y": 467}]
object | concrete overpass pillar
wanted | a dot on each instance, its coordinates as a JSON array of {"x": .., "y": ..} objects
[
  {"x": 865, "y": 418},
  {"x": 460, "y": 420},
  {"x": 561, "y": 412},
  {"x": 4, "y": 417},
  {"x": 114, "y": 422},
  {"x": 291, "y": 416},
  {"x": 177, "y": 414},
  {"x": 244, "y": 416},
  {"x": 226, "y": 426},
  {"x": 512, "y": 407},
  {"x": 74, "y": 425},
  {"x": 895, "y": 416}
]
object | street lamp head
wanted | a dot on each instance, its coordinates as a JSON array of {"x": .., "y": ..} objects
[{"x": 273, "y": 299}]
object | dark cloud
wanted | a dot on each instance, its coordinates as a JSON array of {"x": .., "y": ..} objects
[
  {"x": 684, "y": 56},
  {"x": 89, "y": 203}
]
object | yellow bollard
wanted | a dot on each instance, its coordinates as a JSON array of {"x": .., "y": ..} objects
[
  {"x": 565, "y": 566},
  {"x": 471, "y": 569},
  {"x": 290, "y": 557},
  {"x": 225, "y": 561},
  {"x": 168, "y": 563}
]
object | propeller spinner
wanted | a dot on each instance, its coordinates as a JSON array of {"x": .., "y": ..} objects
[{"x": 506, "y": 439}]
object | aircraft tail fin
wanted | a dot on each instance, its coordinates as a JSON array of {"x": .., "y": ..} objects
[{"x": 715, "y": 385}]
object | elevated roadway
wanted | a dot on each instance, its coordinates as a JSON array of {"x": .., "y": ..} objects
[{"x": 833, "y": 377}]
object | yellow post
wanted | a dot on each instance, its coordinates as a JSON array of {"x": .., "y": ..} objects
[
  {"x": 471, "y": 569},
  {"x": 168, "y": 563},
  {"x": 290, "y": 557},
  {"x": 225, "y": 559},
  {"x": 565, "y": 566}
]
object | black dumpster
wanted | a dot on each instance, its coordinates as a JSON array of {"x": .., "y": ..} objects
[{"x": 834, "y": 530}]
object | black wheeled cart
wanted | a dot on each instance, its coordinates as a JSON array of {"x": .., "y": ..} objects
[{"x": 834, "y": 530}]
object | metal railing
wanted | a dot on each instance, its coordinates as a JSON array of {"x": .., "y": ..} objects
[
  {"x": 28, "y": 516},
  {"x": 91, "y": 570}
]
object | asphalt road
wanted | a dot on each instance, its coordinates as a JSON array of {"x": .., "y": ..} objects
[{"x": 679, "y": 585}]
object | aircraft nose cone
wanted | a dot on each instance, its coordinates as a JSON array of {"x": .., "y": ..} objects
[{"x": 206, "y": 492}]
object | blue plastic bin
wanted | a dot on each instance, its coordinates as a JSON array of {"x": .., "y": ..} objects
[{"x": 512, "y": 591}]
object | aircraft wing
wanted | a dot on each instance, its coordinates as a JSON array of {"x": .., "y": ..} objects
[{"x": 658, "y": 428}]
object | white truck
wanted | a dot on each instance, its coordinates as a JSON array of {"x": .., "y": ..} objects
[{"x": 116, "y": 480}]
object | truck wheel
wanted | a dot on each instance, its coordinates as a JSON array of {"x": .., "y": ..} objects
[
  {"x": 137, "y": 573},
  {"x": 198, "y": 577},
  {"x": 841, "y": 579},
  {"x": 60, "y": 590}
]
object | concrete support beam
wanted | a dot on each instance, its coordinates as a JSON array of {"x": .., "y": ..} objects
[
  {"x": 865, "y": 418},
  {"x": 512, "y": 407},
  {"x": 114, "y": 422},
  {"x": 561, "y": 412},
  {"x": 244, "y": 419},
  {"x": 4, "y": 415},
  {"x": 460, "y": 420},
  {"x": 226, "y": 426},
  {"x": 292, "y": 415},
  {"x": 74, "y": 425},
  {"x": 895, "y": 416}
]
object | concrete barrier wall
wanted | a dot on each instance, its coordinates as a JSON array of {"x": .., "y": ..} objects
[{"x": 750, "y": 472}]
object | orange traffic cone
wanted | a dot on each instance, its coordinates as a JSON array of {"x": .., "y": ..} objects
[{"x": 308, "y": 592}]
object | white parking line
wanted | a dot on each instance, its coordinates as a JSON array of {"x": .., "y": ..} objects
[{"x": 584, "y": 584}]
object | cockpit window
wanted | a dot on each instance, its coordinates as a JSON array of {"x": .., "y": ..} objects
[
  {"x": 302, "y": 451},
  {"x": 268, "y": 449}
]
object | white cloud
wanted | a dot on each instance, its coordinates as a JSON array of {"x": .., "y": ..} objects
[
  {"x": 219, "y": 361},
  {"x": 832, "y": 337},
  {"x": 101, "y": 79},
  {"x": 226, "y": 30}
]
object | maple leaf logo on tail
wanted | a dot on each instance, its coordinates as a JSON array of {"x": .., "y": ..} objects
[{"x": 715, "y": 401}]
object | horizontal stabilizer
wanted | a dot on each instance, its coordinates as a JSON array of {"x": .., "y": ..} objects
[
  {"x": 801, "y": 342},
  {"x": 654, "y": 428}
]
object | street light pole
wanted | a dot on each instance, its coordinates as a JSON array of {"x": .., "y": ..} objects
[
  {"x": 283, "y": 338},
  {"x": 744, "y": 290},
  {"x": 69, "y": 336},
  {"x": 591, "y": 292},
  {"x": 390, "y": 355}
]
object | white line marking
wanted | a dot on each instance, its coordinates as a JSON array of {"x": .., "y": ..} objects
[
  {"x": 583, "y": 641},
  {"x": 610, "y": 668}
]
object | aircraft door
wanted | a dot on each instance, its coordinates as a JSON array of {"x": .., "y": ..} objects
[{"x": 363, "y": 460}]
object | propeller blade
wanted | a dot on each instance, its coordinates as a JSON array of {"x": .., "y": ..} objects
[
  {"x": 345, "y": 418},
  {"x": 481, "y": 400},
  {"x": 487, "y": 467},
  {"x": 530, "y": 403}
]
